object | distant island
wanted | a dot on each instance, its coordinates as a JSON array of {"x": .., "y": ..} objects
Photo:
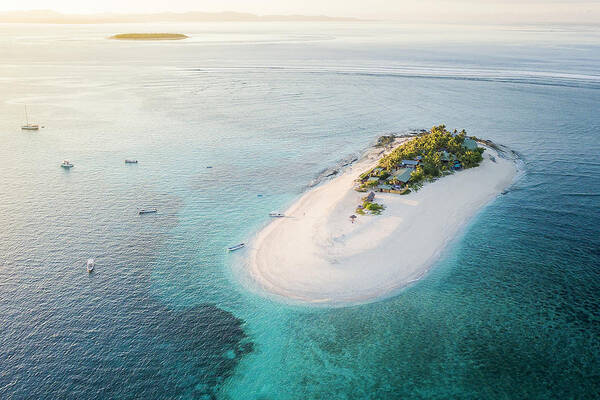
[
  {"x": 53, "y": 17},
  {"x": 149, "y": 36}
]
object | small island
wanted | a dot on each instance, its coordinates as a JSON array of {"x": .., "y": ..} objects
[
  {"x": 382, "y": 223},
  {"x": 149, "y": 36}
]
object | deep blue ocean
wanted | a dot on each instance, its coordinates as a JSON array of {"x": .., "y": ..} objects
[{"x": 511, "y": 310}]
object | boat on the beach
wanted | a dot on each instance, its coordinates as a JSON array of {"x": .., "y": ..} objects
[
  {"x": 129, "y": 161},
  {"x": 147, "y": 211},
  {"x": 67, "y": 164},
  {"x": 236, "y": 247},
  {"x": 90, "y": 265},
  {"x": 28, "y": 126},
  {"x": 275, "y": 214}
]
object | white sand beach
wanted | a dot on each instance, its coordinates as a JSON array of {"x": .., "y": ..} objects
[{"x": 316, "y": 255}]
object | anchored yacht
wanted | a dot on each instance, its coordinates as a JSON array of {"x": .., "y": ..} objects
[
  {"x": 90, "y": 265},
  {"x": 28, "y": 126}
]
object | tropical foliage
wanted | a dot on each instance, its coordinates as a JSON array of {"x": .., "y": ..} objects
[
  {"x": 431, "y": 147},
  {"x": 385, "y": 140},
  {"x": 373, "y": 208}
]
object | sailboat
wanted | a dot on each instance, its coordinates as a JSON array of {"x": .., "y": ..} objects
[{"x": 28, "y": 126}]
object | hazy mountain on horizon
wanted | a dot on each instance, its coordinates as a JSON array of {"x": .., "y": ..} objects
[{"x": 53, "y": 17}]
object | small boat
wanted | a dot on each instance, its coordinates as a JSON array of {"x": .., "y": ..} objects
[
  {"x": 236, "y": 247},
  {"x": 90, "y": 265},
  {"x": 275, "y": 214},
  {"x": 67, "y": 164},
  {"x": 209, "y": 166},
  {"x": 28, "y": 126},
  {"x": 147, "y": 211},
  {"x": 128, "y": 161}
]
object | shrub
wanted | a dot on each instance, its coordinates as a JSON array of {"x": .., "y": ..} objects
[{"x": 374, "y": 208}]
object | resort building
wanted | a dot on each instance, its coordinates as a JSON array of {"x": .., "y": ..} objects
[
  {"x": 445, "y": 156},
  {"x": 384, "y": 188},
  {"x": 410, "y": 163},
  {"x": 403, "y": 175},
  {"x": 470, "y": 144}
]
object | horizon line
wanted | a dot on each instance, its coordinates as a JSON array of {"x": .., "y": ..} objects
[{"x": 47, "y": 15}]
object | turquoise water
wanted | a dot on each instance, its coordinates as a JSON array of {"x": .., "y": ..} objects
[{"x": 511, "y": 310}]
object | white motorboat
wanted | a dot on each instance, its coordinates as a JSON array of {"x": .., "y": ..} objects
[
  {"x": 275, "y": 214},
  {"x": 28, "y": 126},
  {"x": 236, "y": 247},
  {"x": 147, "y": 211},
  {"x": 90, "y": 265},
  {"x": 67, "y": 164}
]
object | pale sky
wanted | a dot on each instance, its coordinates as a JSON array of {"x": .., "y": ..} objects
[{"x": 479, "y": 11}]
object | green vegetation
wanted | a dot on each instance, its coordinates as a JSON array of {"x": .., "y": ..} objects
[
  {"x": 424, "y": 158},
  {"x": 385, "y": 140},
  {"x": 373, "y": 208},
  {"x": 364, "y": 175},
  {"x": 149, "y": 36},
  {"x": 439, "y": 153}
]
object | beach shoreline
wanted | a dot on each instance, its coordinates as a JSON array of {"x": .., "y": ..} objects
[{"x": 316, "y": 255}]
